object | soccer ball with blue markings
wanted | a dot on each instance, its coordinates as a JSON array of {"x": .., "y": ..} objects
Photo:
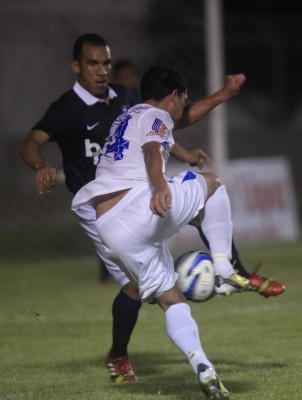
[{"x": 196, "y": 276}]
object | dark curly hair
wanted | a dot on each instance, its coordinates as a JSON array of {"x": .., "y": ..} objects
[{"x": 160, "y": 80}]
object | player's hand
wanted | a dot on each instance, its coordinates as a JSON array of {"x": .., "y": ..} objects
[
  {"x": 46, "y": 178},
  {"x": 197, "y": 157},
  {"x": 233, "y": 84},
  {"x": 161, "y": 201}
]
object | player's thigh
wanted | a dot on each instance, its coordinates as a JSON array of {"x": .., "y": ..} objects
[
  {"x": 189, "y": 193},
  {"x": 148, "y": 262}
]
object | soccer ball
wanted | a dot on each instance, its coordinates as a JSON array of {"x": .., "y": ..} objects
[{"x": 196, "y": 275}]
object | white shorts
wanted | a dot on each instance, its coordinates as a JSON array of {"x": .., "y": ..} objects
[
  {"x": 131, "y": 232},
  {"x": 86, "y": 217}
]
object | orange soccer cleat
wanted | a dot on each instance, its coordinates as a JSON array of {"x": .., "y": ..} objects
[{"x": 264, "y": 286}]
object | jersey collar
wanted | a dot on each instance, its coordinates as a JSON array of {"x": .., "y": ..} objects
[{"x": 88, "y": 98}]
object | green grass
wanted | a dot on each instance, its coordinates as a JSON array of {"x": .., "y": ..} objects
[{"x": 56, "y": 328}]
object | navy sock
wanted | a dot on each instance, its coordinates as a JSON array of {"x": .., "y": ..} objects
[
  {"x": 125, "y": 313},
  {"x": 235, "y": 260}
]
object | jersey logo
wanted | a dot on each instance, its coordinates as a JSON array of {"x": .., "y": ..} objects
[
  {"x": 92, "y": 150},
  {"x": 158, "y": 129},
  {"x": 157, "y": 125},
  {"x": 90, "y": 127}
]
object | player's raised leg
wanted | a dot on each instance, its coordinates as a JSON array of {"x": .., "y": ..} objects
[
  {"x": 218, "y": 228},
  {"x": 266, "y": 287}
]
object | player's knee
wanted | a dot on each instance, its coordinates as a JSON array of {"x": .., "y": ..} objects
[
  {"x": 171, "y": 297},
  {"x": 131, "y": 290},
  {"x": 213, "y": 182}
]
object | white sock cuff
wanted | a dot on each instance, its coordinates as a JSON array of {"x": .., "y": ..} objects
[
  {"x": 220, "y": 257},
  {"x": 197, "y": 357},
  {"x": 177, "y": 307}
]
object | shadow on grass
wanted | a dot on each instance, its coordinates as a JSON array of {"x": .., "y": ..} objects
[
  {"x": 241, "y": 365},
  {"x": 169, "y": 374}
]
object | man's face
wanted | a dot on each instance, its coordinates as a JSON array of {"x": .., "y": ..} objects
[{"x": 93, "y": 69}]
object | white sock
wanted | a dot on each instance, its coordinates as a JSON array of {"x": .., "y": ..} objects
[
  {"x": 218, "y": 229},
  {"x": 183, "y": 331},
  {"x": 222, "y": 265}
]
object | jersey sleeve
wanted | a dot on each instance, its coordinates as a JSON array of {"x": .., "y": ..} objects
[
  {"x": 155, "y": 126},
  {"x": 56, "y": 122}
]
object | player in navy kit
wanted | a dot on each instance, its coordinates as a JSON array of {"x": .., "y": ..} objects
[{"x": 79, "y": 121}]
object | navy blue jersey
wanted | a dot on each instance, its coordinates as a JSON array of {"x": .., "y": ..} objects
[{"x": 80, "y": 131}]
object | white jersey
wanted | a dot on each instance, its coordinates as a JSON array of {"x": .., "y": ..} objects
[
  {"x": 143, "y": 253},
  {"x": 121, "y": 165}
]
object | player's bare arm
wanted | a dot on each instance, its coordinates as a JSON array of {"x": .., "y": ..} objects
[
  {"x": 161, "y": 199},
  {"x": 46, "y": 176},
  {"x": 195, "y": 111},
  {"x": 194, "y": 157}
]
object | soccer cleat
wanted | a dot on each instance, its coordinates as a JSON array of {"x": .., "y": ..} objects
[
  {"x": 234, "y": 284},
  {"x": 120, "y": 369},
  {"x": 264, "y": 286},
  {"x": 210, "y": 383}
]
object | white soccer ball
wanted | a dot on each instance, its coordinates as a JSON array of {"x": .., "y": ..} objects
[{"x": 196, "y": 275}]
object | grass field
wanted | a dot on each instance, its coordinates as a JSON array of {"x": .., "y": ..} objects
[{"x": 56, "y": 328}]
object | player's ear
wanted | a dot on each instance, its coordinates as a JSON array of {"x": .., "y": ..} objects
[
  {"x": 174, "y": 96},
  {"x": 75, "y": 66}
]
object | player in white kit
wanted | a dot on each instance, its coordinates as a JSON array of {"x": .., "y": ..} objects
[{"x": 138, "y": 208}]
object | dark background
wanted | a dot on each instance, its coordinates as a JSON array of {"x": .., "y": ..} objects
[{"x": 262, "y": 39}]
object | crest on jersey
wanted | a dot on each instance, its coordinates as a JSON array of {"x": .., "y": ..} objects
[
  {"x": 116, "y": 143},
  {"x": 158, "y": 129}
]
